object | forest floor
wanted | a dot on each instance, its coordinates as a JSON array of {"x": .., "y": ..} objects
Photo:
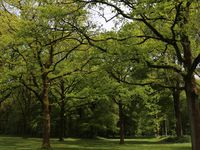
[{"x": 17, "y": 143}]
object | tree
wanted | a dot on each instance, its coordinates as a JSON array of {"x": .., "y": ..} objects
[
  {"x": 46, "y": 36},
  {"x": 173, "y": 24},
  {"x": 65, "y": 91},
  {"x": 122, "y": 66}
]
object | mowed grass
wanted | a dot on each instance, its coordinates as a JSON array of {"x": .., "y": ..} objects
[{"x": 17, "y": 143}]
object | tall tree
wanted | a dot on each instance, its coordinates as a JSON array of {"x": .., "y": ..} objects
[
  {"x": 46, "y": 36},
  {"x": 121, "y": 63},
  {"x": 173, "y": 24}
]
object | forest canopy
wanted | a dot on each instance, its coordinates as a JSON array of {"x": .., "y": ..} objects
[{"x": 63, "y": 75}]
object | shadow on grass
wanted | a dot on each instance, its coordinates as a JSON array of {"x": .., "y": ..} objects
[
  {"x": 113, "y": 144},
  {"x": 106, "y": 141},
  {"x": 17, "y": 143},
  {"x": 12, "y": 143}
]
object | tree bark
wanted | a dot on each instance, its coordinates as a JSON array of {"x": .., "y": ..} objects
[
  {"x": 191, "y": 93},
  {"x": 190, "y": 83},
  {"x": 62, "y": 121},
  {"x": 164, "y": 131},
  {"x": 121, "y": 122},
  {"x": 62, "y": 111},
  {"x": 176, "y": 98},
  {"x": 165, "y": 127},
  {"x": 46, "y": 114},
  {"x": 193, "y": 104}
]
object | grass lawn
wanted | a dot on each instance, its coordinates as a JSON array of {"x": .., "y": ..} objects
[{"x": 17, "y": 143}]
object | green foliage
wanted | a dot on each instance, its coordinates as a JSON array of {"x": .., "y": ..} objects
[{"x": 52, "y": 40}]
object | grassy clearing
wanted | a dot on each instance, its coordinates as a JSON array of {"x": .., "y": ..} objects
[{"x": 17, "y": 143}]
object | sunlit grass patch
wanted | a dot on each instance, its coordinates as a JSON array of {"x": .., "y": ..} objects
[{"x": 17, "y": 143}]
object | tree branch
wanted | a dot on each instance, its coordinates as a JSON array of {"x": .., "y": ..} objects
[
  {"x": 194, "y": 65},
  {"x": 165, "y": 67}
]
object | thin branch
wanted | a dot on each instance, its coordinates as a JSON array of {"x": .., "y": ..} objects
[
  {"x": 155, "y": 31},
  {"x": 169, "y": 67},
  {"x": 119, "y": 10},
  {"x": 178, "y": 9},
  {"x": 65, "y": 57},
  {"x": 5, "y": 97},
  {"x": 31, "y": 89},
  {"x": 114, "y": 99}
]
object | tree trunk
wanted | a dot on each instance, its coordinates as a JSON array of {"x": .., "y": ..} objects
[
  {"x": 190, "y": 83},
  {"x": 193, "y": 104},
  {"x": 46, "y": 115},
  {"x": 164, "y": 128},
  {"x": 62, "y": 111},
  {"x": 24, "y": 133},
  {"x": 62, "y": 121},
  {"x": 121, "y": 122},
  {"x": 176, "y": 97}
]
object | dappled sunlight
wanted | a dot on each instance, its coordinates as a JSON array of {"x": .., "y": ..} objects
[{"x": 18, "y": 143}]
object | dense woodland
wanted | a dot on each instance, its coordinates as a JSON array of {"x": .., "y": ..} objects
[{"x": 63, "y": 75}]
